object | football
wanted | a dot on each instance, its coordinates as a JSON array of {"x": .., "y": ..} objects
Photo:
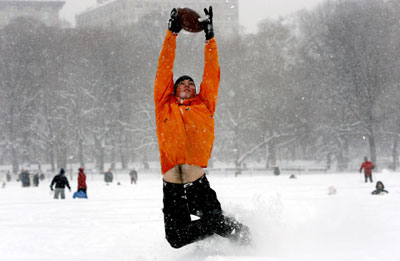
[{"x": 189, "y": 20}]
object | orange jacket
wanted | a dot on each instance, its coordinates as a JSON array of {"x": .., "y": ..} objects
[{"x": 185, "y": 129}]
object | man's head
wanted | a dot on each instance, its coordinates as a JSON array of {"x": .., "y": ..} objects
[
  {"x": 184, "y": 87},
  {"x": 365, "y": 158},
  {"x": 379, "y": 185},
  {"x": 62, "y": 171}
]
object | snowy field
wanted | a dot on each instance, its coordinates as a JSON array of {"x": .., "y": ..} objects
[{"x": 291, "y": 219}]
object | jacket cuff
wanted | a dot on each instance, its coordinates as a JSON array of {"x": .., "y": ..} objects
[
  {"x": 210, "y": 40},
  {"x": 169, "y": 33}
]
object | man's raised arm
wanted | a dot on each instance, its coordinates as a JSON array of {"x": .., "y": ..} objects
[
  {"x": 164, "y": 83},
  {"x": 211, "y": 76}
]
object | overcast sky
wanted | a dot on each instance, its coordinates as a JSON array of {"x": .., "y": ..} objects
[{"x": 250, "y": 11}]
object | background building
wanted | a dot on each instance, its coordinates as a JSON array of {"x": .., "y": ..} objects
[
  {"x": 118, "y": 13},
  {"x": 41, "y": 10}
]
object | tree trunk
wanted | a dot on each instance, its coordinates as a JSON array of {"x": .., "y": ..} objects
[
  {"x": 395, "y": 153},
  {"x": 14, "y": 155},
  {"x": 372, "y": 149},
  {"x": 61, "y": 156},
  {"x": 340, "y": 161},
  {"x": 99, "y": 154},
  {"x": 113, "y": 154},
  {"x": 80, "y": 153},
  {"x": 266, "y": 155},
  {"x": 238, "y": 169},
  {"x": 51, "y": 158},
  {"x": 328, "y": 160},
  {"x": 345, "y": 153},
  {"x": 272, "y": 152},
  {"x": 123, "y": 152},
  {"x": 14, "y": 159},
  {"x": 145, "y": 162}
]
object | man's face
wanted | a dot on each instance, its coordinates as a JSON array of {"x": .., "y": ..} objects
[{"x": 186, "y": 89}]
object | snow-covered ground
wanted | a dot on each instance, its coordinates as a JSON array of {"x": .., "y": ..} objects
[{"x": 291, "y": 219}]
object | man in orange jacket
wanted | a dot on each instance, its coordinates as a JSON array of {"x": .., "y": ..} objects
[
  {"x": 185, "y": 132},
  {"x": 368, "y": 166}
]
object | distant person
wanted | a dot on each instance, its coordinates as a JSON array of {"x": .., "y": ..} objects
[
  {"x": 108, "y": 176},
  {"x": 277, "y": 171},
  {"x": 133, "y": 175},
  {"x": 36, "y": 180},
  {"x": 82, "y": 180},
  {"x": 60, "y": 181},
  {"x": 24, "y": 177},
  {"x": 292, "y": 176},
  {"x": 4, "y": 181},
  {"x": 368, "y": 166},
  {"x": 331, "y": 190},
  {"x": 8, "y": 176},
  {"x": 380, "y": 189}
]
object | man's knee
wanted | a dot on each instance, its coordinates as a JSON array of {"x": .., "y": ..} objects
[
  {"x": 174, "y": 240},
  {"x": 175, "y": 236}
]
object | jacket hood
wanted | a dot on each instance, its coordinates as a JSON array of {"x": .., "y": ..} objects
[{"x": 379, "y": 182}]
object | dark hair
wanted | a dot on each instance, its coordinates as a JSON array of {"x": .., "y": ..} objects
[{"x": 182, "y": 78}]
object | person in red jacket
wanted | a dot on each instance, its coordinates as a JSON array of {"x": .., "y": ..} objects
[
  {"x": 82, "y": 180},
  {"x": 185, "y": 132},
  {"x": 368, "y": 166}
]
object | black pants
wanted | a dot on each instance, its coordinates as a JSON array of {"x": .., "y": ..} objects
[
  {"x": 368, "y": 177},
  {"x": 83, "y": 189},
  {"x": 196, "y": 198}
]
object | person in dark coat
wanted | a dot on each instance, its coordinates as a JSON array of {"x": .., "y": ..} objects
[
  {"x": 36, "y": 180},
  {"x": 133, "y": 175},
  {"x": 108, "y": 176},
  {"x": 82, "y": 180},
  {"x": 368, "y": 166},
  {"x": 380, "y": 189},
  {"x": 24, "y": 177},
  {"x": 60, "y": 182}
]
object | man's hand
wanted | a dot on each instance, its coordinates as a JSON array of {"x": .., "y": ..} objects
[
  {"x": 173, "y": 24},
  {"x": 51, "y": 188},
  {"x": 207, "y": 23}
]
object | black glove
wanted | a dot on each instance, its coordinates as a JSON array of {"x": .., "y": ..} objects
[
  {"x": 51, "y": 188},
  {"x": 173, "y": 24},
  {"x": 208, "y": 24}
]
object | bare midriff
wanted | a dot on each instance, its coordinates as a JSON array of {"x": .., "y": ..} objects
[{"x": 181, "y": 174}]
